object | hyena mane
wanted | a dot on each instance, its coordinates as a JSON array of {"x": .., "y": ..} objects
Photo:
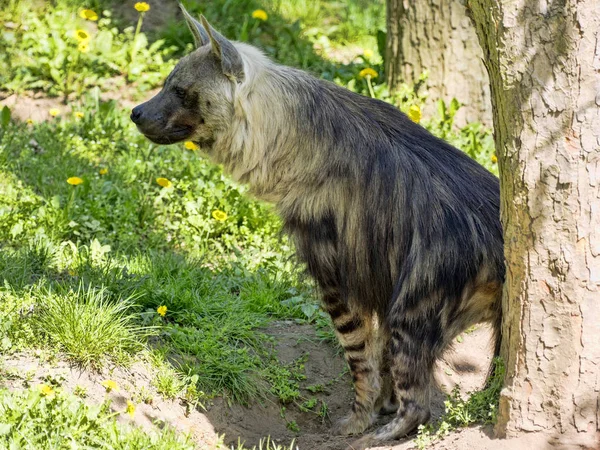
[{"x": 400, "y": 230}]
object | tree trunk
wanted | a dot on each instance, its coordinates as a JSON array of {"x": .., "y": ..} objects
[
  {"x": 543, "y": 58},
  {"x": 436, "y": 36}
]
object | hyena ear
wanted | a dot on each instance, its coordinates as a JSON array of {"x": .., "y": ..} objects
[
  {"x": 200, "y": 35},
  {"x": 231, "y": 60}
]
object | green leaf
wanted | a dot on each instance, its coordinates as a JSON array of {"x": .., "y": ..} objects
[
  {"x": 16, "y": 229},
  {"x": 5, "y": 116},
  {"x": 5, "y": 344},
  {"x": 309, "y": 309}
]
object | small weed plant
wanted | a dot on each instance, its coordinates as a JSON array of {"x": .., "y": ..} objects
[
  {"x": 60, "y": 52},
  {"x": 479, "y": 408}
]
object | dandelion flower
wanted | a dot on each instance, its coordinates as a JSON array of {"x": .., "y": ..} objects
[
  {"x": 414, "y": 113},
  {"x": 83, "y": 47},
  {"x": 88, "y": 14},
  {"x": 190, "y": 145},
  {"x": 141, "y": 7},
  {"x": 260, "y": 14},
  {"x": 494, "y": 159},
  {"x": 368, "y": 72},
  {"x": 46, "y": 390},
  {"x": 78, "y": 114},
  {"x": 164, "y": 182},
  {"x": 219, "y": 215},
  {"x": 74, "y": 181},
  {"x": 162, "y": 310},
  {"x": 54, "y": 112},
  {"x": 103, "y": 171},
  {"x": 81, "y": 35},
  {"x": 130, "y": 408},
  {"x": 29, "y": 121},
  {"x": 110, "y": 385}
]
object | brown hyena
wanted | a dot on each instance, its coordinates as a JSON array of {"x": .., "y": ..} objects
[{"x": 400, "y": 230}]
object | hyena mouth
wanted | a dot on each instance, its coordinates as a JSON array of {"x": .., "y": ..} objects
[{"x": 171, "y": 136}]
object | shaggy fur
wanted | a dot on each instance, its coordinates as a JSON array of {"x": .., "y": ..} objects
[{"x": 400, "y": 229}]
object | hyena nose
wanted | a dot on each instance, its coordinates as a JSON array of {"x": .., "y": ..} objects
[{"x": 136, "y": 114}]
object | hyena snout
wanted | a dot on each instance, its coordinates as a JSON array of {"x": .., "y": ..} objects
[
  {"x": 148, "y": 120},
  {"x": 157, "y": 123},
  {"x": 136, "y": 115}
]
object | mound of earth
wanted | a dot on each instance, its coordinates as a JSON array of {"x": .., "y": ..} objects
[{"x": 326, "y": 375}]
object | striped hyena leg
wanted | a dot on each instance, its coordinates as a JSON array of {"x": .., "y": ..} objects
[
  {"x": 414, "y": 345},
  {"x": 386, "y": 403},
  {"x": 357, "y": 334}
]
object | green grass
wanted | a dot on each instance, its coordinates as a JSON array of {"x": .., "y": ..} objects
[
  {"x": 32, "y": 420},
  {"x": 88, "y": 327},
  {"x": 72, "y": 255}
]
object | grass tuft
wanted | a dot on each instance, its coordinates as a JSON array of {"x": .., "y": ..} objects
[{"x": 88, "y": 328}]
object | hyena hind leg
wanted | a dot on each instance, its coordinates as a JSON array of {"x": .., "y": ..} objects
[
  {"x": 358, "y": 336},
  {"x": 387, "y": 402},
  {"x": 412, "y": 362}
]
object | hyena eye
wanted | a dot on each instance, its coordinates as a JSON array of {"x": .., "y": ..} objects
[{"x": 180, "y": 92}]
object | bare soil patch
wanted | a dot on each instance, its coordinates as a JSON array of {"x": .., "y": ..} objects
[
  {"x": 466, "y": 365},
  {"x": 21, "y": 371},
  {"x": 35, "y": 106}
]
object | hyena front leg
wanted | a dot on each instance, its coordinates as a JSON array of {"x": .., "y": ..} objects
[{"x": 358, "y": 337}]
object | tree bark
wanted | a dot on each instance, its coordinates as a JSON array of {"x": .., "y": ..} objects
[
  {"x": 436, "y": 36},
  {"x": 543, "y": 58}
]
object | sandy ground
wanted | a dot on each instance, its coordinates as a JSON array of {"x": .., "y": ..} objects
[{"x": 466, "y": 365}]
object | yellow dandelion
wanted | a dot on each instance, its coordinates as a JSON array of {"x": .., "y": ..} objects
[
  {"x": 414, "y": 113},
  {"x": 81, "y": 35},
  {"x": 110, "y": 385},
  {"x": 368, "y": 72},
  {"x": 260, "y": 14},
  {"x": 54, "y": 112},
  {"x": 78, "y": 114},
  {"x": 494, "y": 159},
  {"x": 88, "y": 14},
  {"x": 46, "y": 390},
  {"x": 130, "y": 408},
  {"x": 164, "y": 182},
  {"x": 190, "y": 145},
  {"x": 141, "y": 7},
  {"x": 74, "y": 181},
  {"x": 83, "y": 47},
  {"x": 29, "y": 121},
  {"x": 219, "y": 215},
  {"x": 368, "y": 53},
  {"x": 103, "y": 171},
  {"x": 162, "y": 310}
]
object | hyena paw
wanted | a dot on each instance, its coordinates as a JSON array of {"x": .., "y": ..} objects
[
  {"x": 353, "y": 424},
  {"x": 362, "y": 443}
]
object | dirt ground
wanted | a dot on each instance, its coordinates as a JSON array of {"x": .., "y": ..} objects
[
  {"x": 36, "y": 107},
  {"x": 465, "y": 365}
]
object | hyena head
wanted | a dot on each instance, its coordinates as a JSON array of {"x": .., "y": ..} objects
[{"x": 196, "y": 100}]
